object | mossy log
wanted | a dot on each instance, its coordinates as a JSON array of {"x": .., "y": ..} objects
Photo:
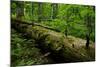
[{"x": 70, "y": 48}]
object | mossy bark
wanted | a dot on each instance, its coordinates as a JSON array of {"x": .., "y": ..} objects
[{"x": 55, "y": 43}]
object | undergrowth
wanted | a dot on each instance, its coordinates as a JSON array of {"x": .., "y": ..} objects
[{"x": 24, "y": 52}]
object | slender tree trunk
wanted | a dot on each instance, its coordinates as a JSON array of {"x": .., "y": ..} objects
[
  {"x": 89, "y": 29},
  {"x": 87, "y": 40},
  {"x": 32, "y": 11},
  {"x": 87, "y": 35},
  {"x": 54, "y": 10},
  {"x": 66, "y": 30},
  {"x": 20, "y": 9},
  {"x": 39, "y": 12},
  {"x": 93, "y": 8},
  {"x": 66, "y": 19}
]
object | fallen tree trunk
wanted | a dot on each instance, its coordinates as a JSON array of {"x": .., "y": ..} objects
[
  {"x": 57, "y": 44},
  {"x": 37, "y": 24}
]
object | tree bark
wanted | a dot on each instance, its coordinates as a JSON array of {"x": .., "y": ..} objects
[
  {"x": 20, "y": 9},
  {"x": 57, "y": 45},
  {"x": 54, "y": 10},
  {"x": 32, "y": 11},
  {"x": 39, "y": 12},
  {"x": 87, "y": 40}
]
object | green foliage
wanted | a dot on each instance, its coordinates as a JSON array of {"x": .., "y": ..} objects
[
  {"x": 56, "y": 24},
  {"x": 24, "y": 52},
  {"x": 70, "y": 19}
]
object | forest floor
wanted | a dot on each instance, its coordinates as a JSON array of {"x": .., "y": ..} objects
[{"x": 24, "y": 52}]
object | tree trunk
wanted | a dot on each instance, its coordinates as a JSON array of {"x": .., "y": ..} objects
[
  {"x": 56, "y": 43},
  {"x": 89, "y": 28},
  {"x": 66, "y": 19},
  {"x": 87, "y": 40},
  {"x": 20, "y": 9},
  {"x": 39, "y": 12},
  {"x": 54, "y": 10},
  {"x": 32, "y": 11}
]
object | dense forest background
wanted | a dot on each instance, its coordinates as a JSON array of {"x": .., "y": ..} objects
[
  {"x": 70, "y": 28},
  {"x": 70, "y": 19}
]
